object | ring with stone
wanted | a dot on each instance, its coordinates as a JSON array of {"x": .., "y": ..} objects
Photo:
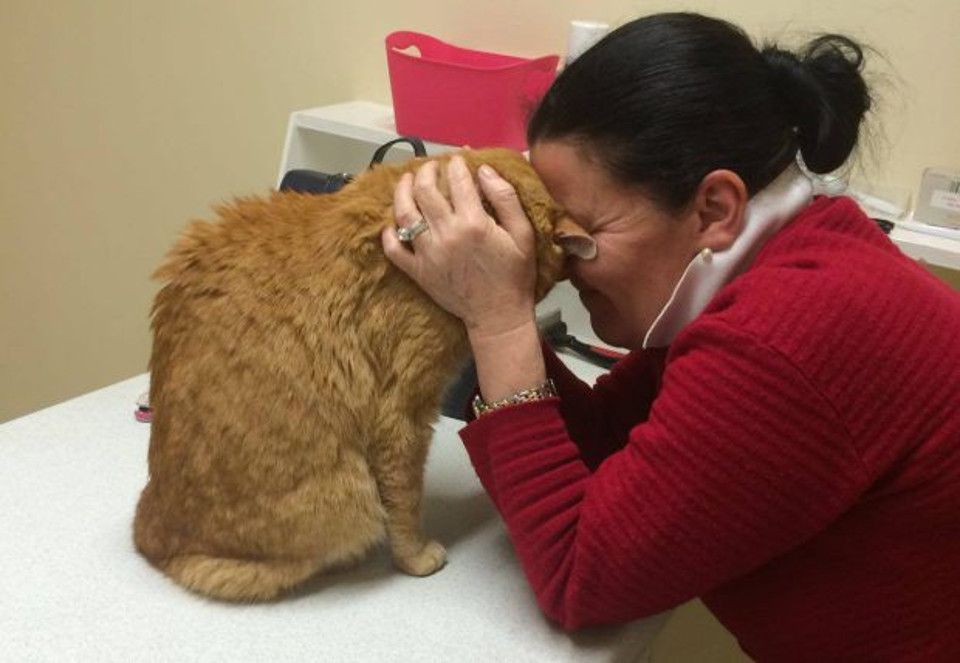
[{"x": 409, "y": 233}]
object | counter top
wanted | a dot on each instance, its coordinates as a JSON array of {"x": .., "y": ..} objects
[{"x": 72, "y": 587}]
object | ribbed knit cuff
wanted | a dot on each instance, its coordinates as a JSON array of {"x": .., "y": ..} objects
[{"x": 506, "y": 428}]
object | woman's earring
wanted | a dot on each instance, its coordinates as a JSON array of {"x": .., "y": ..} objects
[{"x": 706, "y": 254}]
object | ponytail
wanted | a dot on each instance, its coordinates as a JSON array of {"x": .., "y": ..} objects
[{"x": 821, "y": 91}]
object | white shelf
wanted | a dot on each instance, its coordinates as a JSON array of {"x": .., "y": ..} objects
[
  {"x": 931, "y": 248},
  {"x": 366, "y": 124},
  {"x": 359, "y": 120}
]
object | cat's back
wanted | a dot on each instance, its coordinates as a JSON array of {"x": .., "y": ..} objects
[
  {"x": 291, "y": 283},
  {"x": 261, "y": 254},
  {"x": 261, "y": 238}
]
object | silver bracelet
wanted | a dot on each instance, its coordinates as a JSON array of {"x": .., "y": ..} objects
[{"x": 538, "y": 393}]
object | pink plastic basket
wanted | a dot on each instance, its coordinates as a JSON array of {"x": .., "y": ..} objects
[{"x": 458, "y": 96}]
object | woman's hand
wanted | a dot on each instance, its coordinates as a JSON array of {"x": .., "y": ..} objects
[{"x": 479, "y": 271}]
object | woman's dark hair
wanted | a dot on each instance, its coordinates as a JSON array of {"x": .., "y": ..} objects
[{"x": 664, "y": 100}]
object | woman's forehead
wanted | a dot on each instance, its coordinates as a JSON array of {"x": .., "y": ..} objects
[
  {"x": 569, "y": 177},
  {"x": 585, "y": 189}
]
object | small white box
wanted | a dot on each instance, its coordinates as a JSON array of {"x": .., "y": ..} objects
[{"x": 939, "y": 201}]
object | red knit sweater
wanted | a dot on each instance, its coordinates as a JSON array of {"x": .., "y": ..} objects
[{"x": 793, "y": 459}]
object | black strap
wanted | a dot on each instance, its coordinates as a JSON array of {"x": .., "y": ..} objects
[
  {"x": 312, "y": 181},
  {"x": 417, "y": 145}
]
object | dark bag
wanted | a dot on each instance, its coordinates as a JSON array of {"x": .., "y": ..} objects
[{"x": 313, "y": 181}]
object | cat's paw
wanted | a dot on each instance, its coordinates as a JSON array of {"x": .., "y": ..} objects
[{"x": 430, "y": 559}]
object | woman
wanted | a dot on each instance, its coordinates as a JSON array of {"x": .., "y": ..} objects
[{"x": 783, "y": 439}]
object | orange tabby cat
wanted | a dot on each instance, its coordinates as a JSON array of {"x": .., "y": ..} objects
[{"x": 295, "y": 376}]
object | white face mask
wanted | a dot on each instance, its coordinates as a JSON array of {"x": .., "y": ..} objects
[{"x": 767, "y": 212}]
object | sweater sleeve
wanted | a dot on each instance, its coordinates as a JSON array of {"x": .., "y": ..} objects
[
  {"x": 599, "y": 418},
  {"x": 740, "y": 459}
]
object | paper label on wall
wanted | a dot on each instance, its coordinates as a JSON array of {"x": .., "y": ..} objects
[{"x": 946, "y": 200}]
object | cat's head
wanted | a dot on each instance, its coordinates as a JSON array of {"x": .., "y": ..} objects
[{"x": 557, "y": 235}]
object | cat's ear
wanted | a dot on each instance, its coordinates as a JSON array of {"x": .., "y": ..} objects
[{"x": 574, "y": 240}]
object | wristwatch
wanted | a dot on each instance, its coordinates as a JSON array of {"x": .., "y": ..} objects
[{"x": 538, "y": 393}]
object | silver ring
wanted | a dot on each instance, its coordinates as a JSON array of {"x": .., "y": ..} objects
[{"x": 407, "y": 235}]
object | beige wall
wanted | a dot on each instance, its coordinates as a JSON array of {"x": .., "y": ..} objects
[{"x": 120, "y": 119}]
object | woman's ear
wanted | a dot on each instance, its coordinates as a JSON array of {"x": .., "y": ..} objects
[{"x": 720, "y": 206}]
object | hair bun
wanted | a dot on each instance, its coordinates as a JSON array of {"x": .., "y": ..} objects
[{"x": 823, "y": 95}]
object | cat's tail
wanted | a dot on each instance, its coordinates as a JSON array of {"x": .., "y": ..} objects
[{"x": 238, "y": 579}]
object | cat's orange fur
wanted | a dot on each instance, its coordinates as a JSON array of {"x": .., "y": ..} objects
[{"x": 295, "y": 377}]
